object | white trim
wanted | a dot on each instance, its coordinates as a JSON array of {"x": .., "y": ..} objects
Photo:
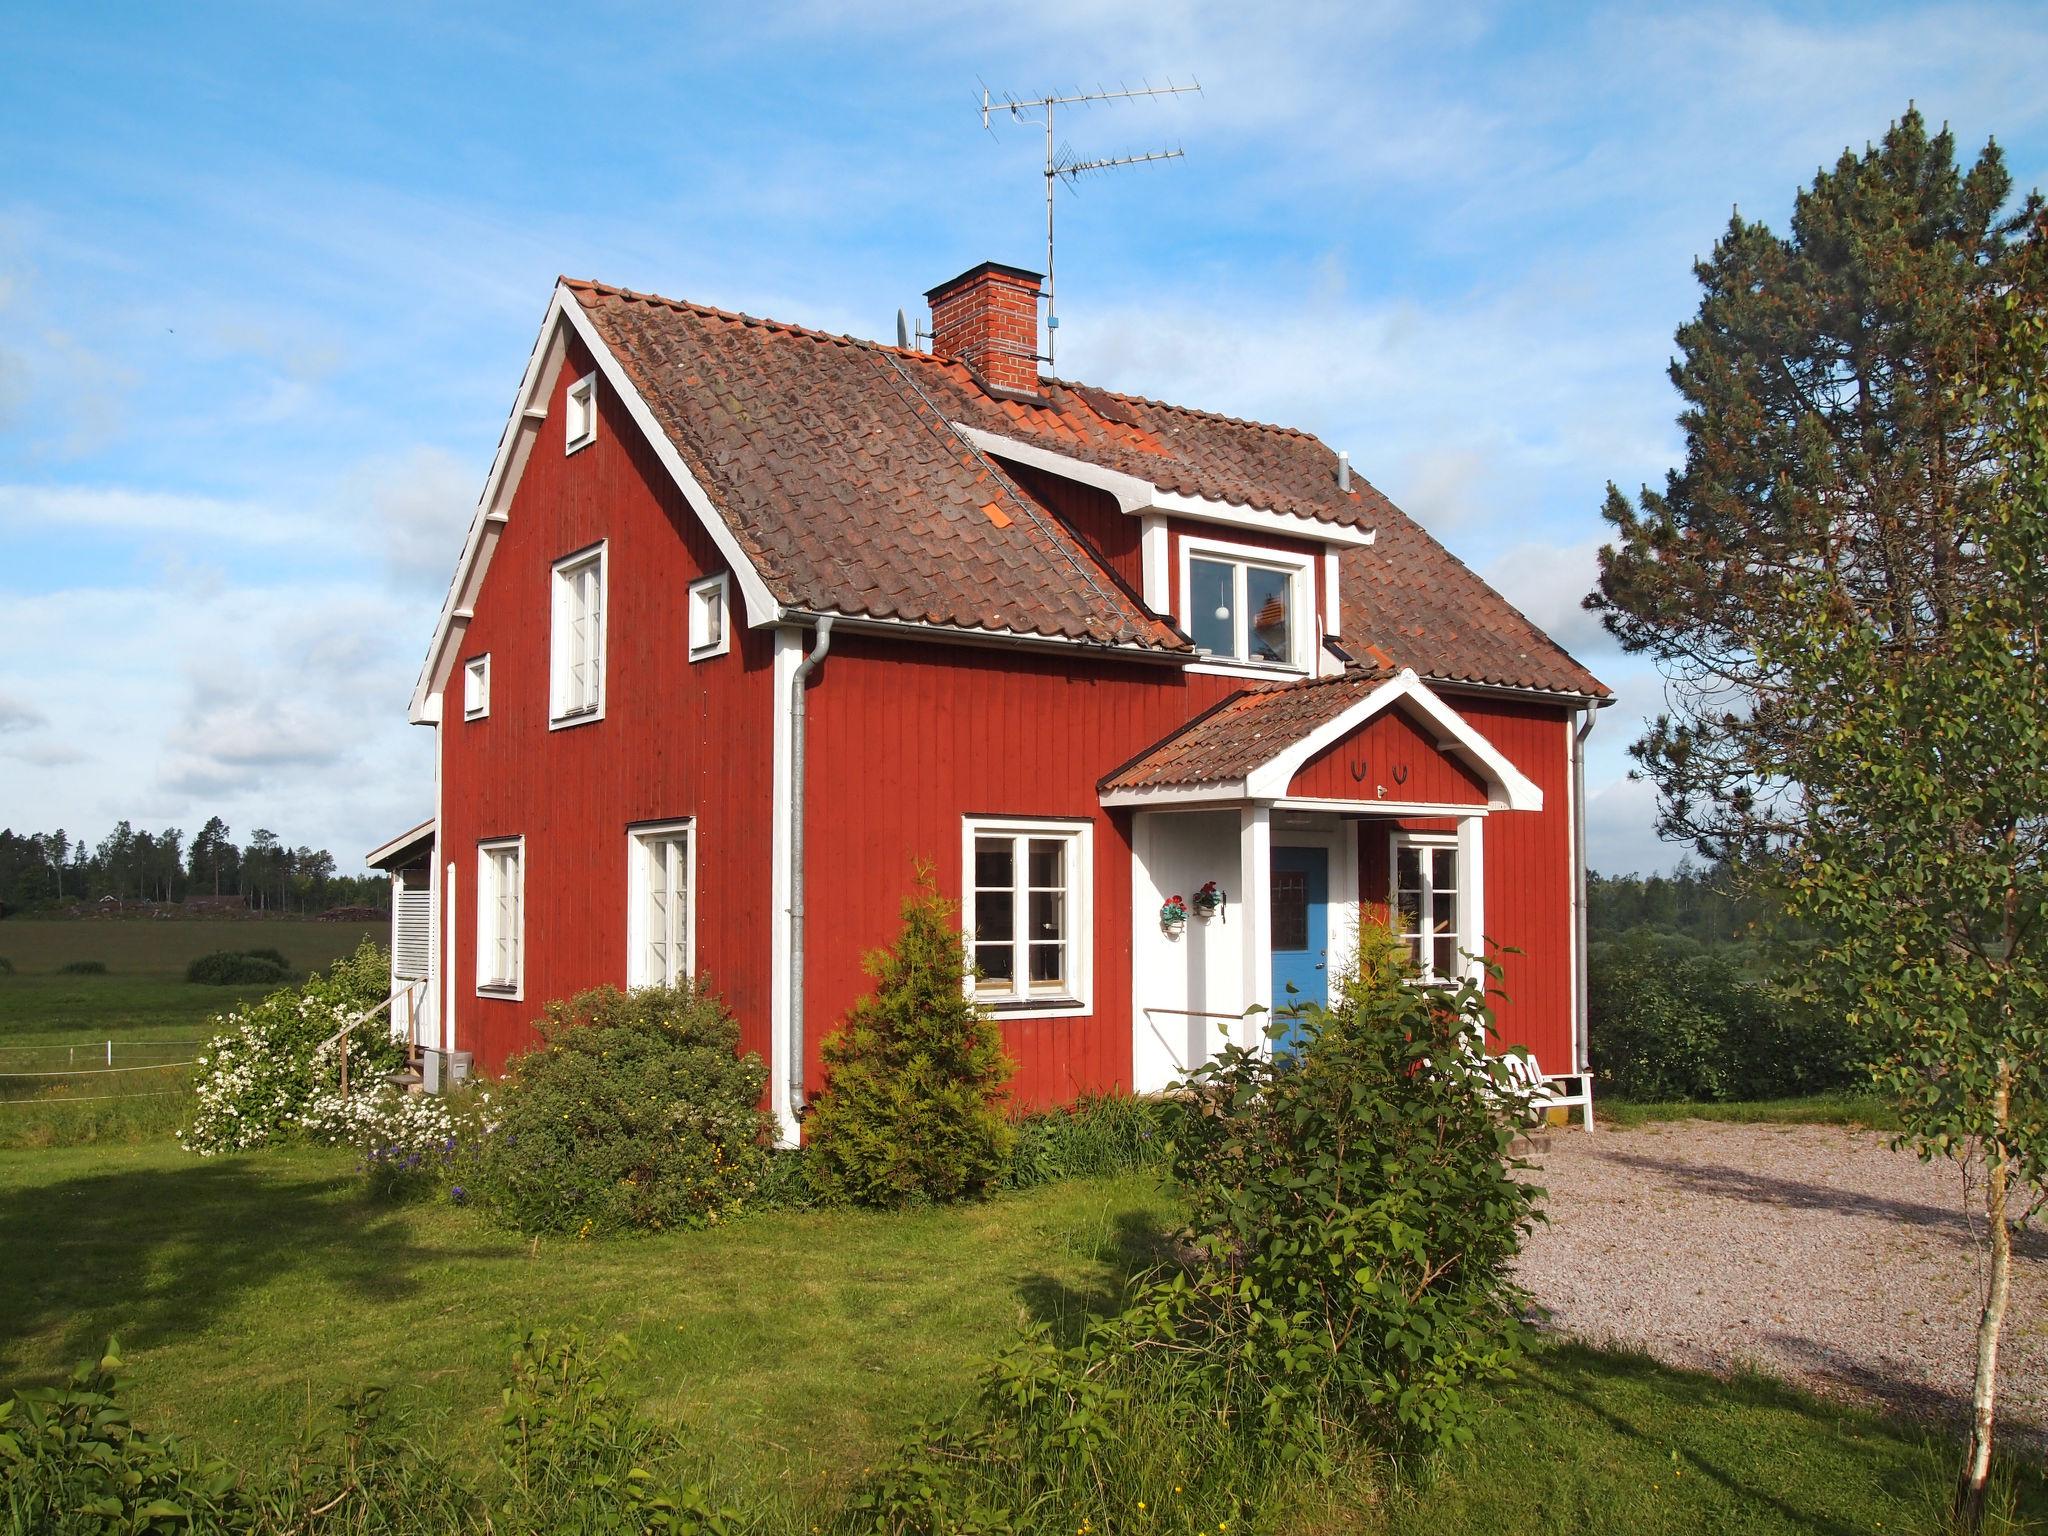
[
  {"x": 1333, "y": 600},
  {"x": 579, "y": 402},
  {"x": 1509, "y": 789},
  {"x": 476, "y": 687},
  {"x": 448, "y": 883},
  {"x": 1253, "y": 671},
  {"x": 487, "y": 895},
  {"x": 1465, "y": 937},
  {"x": 967, "y": 634},
  {"x": 1234, "y": 514},
  {"x": 543, "y": 365},
  {"x": 1079, "y": 835},
  {"x": 640, "y": 838},
  {"x": 1301, "y": 604},
  {"x": 383, "y": 851},
  {"x": 720, "y": 643},
  {"x": 1472, "y": 870},
  {"x": 1255, "y": 875},
  {"x": 1131, "y": 493},
  {"x": 1154, "y": 557},
  {"x": 761, "y": 605},
  {"x": 789, "y": 650},
  {"x": 560, "y": 593},
  {"x": 1135, "y": 496}
]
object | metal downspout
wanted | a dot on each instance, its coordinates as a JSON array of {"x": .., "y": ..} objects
[
  {"x": 820, "y": 646},
  {"x": 1581, "y": 1045}
]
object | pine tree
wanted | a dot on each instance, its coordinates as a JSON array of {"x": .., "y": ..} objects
[
  {"x": 915, "y": 1107},
  {"x": 1830, "y": 382}
]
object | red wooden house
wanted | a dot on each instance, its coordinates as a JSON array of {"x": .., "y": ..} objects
[{"x": 752, "y": 620}]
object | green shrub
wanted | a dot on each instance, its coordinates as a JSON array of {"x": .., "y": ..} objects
[
  {"x": 1355, "y": 1209},
  {"x": 573, "y": 1457},
  {"x": 1098, "y": 1134},
  {"x": 274, "y": 956},
  {"x": 6, "y": 966},
  {"x": 83, "y": 968},
  {"x": 72, "y": 1463},
  {"x": 1668, "y": 1019},
  {"x": 224, "y": 968},
  {"x": 635, "y": 1112},
  {"x": 267, "y": 1064},
  {"x": 913, "y": 1108}
]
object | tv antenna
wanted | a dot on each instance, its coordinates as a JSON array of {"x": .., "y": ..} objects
[{"x": 1061, "y": 164}]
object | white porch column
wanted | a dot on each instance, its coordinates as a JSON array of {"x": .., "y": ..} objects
[
  {"x": 1255, "y": 880},
  {"x": 1472, "y": 900}
]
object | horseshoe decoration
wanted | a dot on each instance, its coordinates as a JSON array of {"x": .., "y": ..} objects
[
  {"x": 1359, "y": 769},
  {"x": 1401, "y": 773}
]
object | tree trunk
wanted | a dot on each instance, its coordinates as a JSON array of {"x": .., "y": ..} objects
[{"x": 1984, "y": 1397}]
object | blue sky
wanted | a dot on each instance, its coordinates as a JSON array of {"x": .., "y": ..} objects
[{"x": 268, "y": 277}]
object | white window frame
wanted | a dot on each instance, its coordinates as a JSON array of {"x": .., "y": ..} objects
[
  {"x": 642, "y": 842},
  {"x": 579, "y": 423},
  {"x": 1428, "y": 843},
  {"x": 561, "y": 592},
  {"x": 707, "y": 640},
  {"x": 1019, "y": 1002},
  {"x": 491, "y": 905},
  {"x": 476, "y": 687},
  {"x": 1303, "y": 621}
]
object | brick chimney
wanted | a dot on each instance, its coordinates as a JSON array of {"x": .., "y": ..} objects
[{"x": 988, "y": 318}]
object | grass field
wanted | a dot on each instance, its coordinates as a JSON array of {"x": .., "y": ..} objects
[
  {"x": 796, "y": 1348},
  {"x": 1869, "y": 1110},
  {"x": 54, "y": 1022}
]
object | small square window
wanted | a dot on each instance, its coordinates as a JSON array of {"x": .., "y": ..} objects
[
  {"x": 708, "y": 634},
  {"x": 580, "y": 428},
  {"x": 476, "y": 687},
  {"x": 1247, "y": 605}
]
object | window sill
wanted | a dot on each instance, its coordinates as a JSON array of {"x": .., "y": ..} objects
[
  {"x": 504, "y": 994},
  {"x": 1033, "y": 1007},
  {"x": 581, "y": 717},
  {"x": 578, "y": 445},
  {"x": 1226, "y": 667}
]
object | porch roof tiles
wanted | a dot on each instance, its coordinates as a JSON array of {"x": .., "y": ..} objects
[{"x": 1246, "y": 731}]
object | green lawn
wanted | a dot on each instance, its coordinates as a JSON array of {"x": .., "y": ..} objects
[
  {"x": 1869, "y": 1110},
  {"x": 796, "y": 1348},
  {"x": 51, "y": 1022},
  {"x": 144, "y": 993}
]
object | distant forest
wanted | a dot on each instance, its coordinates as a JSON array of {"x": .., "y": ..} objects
[
  {"x": 1691, "y": 902},
  {"x": 51, "y": 871}
]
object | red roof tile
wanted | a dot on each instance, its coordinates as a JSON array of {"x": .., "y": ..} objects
[{"x": 1244, "y": 732}]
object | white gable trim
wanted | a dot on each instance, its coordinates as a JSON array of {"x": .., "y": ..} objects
[
  {"x": 1136, "y": 497},
  {"x": 1507, "y": 787},
  {"x": 529, "y": 410}
]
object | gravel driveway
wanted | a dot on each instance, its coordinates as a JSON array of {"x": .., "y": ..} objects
[{"x": 1813, "y": 1253}]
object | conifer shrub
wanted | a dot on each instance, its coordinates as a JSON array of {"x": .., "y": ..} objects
[
  {"x": 636, "y": 1112},
  {"x": 915, "y": 1108},
  {"x": 227, "y": 968}
]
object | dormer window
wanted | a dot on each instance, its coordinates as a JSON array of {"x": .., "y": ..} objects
[
  {"x": 579, "y": 430},
  {"x": 1248, "y": 605}
]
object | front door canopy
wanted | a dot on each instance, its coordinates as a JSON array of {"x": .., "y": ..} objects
[{"x": 1254, "y": 746}]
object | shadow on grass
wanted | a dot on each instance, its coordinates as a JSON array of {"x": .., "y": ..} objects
[
  {"x": 1136, "y": 1245},
  {"x": 158, "y": 1254},
  {"x": 1690, "y": 1420}
]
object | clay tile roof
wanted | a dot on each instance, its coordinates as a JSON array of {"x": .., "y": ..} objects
[
  {"x": 846, "y": 484},
  {"x": 836, "y": 462},
  {"x": 1244, "y": 732},
  {"x": 1419, "y": 605}
]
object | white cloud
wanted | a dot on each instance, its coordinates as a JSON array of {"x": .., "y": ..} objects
[
  {"x": 1621, "y": 831},
  {"x": 1549, "y": 583},
  {"x": 420, "y": 502},
  {"x": 48, "y": 508},
  {"x": 19, "y": 715}
]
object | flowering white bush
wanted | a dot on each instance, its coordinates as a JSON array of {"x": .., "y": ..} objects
[
  {"x": 382, "y": 1120},
  {"x": 261, "y": 1073}
]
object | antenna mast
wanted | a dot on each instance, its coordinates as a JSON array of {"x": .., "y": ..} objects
[{"x": 1060, "y": 164}]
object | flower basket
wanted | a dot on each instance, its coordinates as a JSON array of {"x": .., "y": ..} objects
[
  {"x": 1208, "y": 900},
  {"x": 1173, "y": 915}
]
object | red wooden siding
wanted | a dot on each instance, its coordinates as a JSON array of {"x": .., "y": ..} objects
[
  {"x": 679, "y": 739},
  {"x": 1528, "y": 876},
  {"x": 1093, "y": 516},
  {"x": 908, "y": 738},
  {"x": 1388, "y": 758}
]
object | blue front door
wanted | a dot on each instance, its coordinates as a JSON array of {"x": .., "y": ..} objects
[{"x": 1301, "y": 932}]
